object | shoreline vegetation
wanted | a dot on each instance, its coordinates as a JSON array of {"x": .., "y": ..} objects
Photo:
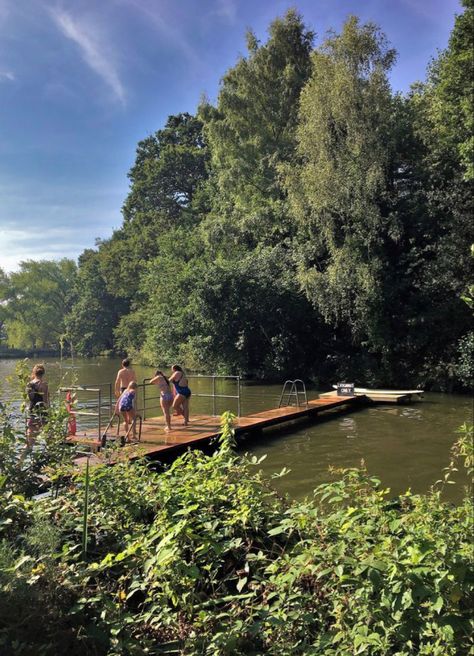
[
  {"x": 13, "y": 353},
  {"x": 204, "y": 557},
  {"x": 311, "y": 220}
]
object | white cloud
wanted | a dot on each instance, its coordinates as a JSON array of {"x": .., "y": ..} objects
[
  {"x": 6, "y": 75},
  {"x": 92, "y": 48},
  {"x": 45, "y": 220},
  {"x": 37, "y": 244}
]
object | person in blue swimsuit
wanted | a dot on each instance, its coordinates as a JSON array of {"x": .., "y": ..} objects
[
  {"x": 183, "y": 393},
  {"x": 126, "y": 405}
]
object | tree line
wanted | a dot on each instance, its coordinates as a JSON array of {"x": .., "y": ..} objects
[{"x": 310, "y": 222}]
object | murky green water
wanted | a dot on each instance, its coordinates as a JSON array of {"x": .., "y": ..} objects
[{"x": 404, "y": 446}]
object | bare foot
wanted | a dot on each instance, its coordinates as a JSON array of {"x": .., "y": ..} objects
[{"x": 167, "y": 428}]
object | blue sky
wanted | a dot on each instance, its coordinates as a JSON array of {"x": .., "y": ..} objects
[{"x": 82, "y": 81}]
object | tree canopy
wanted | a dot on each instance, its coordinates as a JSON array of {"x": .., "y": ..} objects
[
  {"x": 310, "y": 220},
  {"x": 35, "y": 301}
]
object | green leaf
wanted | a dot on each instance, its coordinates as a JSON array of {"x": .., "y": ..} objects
[{"x": 241, "y": 583}]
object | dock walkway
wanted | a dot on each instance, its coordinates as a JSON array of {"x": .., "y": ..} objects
[{"x": 156, "y": 443}]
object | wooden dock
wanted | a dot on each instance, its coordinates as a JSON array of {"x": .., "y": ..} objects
[
  {"x": 156, "y": 443},
  {"x": 380, "y": 396}
]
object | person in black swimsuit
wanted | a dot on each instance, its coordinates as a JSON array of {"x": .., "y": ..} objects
[{"x": 183, "y": 393}]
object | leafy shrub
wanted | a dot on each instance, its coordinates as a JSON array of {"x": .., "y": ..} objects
[{"x": 206, "y": 558}]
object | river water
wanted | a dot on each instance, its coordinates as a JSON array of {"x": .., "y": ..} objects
[{"x": 404, "y": 446}]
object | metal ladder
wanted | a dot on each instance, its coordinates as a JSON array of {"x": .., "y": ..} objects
[
  {"x": 293, "y": 389},
  {"x": 117, "y": 437}
]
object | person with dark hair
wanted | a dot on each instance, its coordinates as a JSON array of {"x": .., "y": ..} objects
[
  {"x": 38, "y": 403},
  {"x": 166, "y": 397},
  {"x": 183, "y": 393},
  {"x": 125, "y": 376}
]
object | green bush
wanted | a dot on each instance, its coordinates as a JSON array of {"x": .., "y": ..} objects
[{"x": 206, "y": 558}]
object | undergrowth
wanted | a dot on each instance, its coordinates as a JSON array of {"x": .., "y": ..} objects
[{"x": 207, "y": 559}]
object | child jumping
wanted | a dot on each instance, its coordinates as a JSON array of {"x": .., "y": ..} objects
[{"x": 125, "y": 405}]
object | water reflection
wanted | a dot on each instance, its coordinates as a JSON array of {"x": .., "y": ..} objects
[
  {"x": 348, "y": 425},
  {"x": 412, "y": 413}
]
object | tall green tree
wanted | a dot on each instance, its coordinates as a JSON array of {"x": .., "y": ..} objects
[
  {"x": 252, "y": 131},
  {"x": 337, "y": 184},
  {"x": 36, "y": 300},
  {"x": 449, "y": 98},
  {"x": 169, "y": 169},
  {"x": 246, "y": 316},
  {"x": 96, "y": 312},
  {"x": 443, "y": 121}
]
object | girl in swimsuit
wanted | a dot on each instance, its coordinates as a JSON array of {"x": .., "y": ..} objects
[
  {"x": 183, "y": 392},
  {"x": 166, "y": 398},
  {"x": 125, "y": 405}
]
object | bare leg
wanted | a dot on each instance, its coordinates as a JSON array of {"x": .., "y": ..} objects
[
  {"x": 178, "y": 404},
  {"x": 125, "y": 421},
  {"x": 132, "y": 421},
  {"x": 186, "y": 410},
  {"x": 33, "y": 429},
  {"x": 165, "y": 406},
  {"x": 175, "y": 409}
]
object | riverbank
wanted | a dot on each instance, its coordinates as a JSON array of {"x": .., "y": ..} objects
[{"x": 13, "y": 353}]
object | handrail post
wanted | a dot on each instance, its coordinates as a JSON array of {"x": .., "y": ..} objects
[
  {"x": 238, "y": 396},
  {"x": 100, "y": 415},
  {"x": 213, "y": 396},
  {"x": 144, "y": 399}
]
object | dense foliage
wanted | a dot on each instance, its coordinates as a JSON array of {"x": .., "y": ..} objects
[
  {"x": 310, "y": 221},
  {"x": 205, "y": 558},
  {"x": 35, "y": 301}
]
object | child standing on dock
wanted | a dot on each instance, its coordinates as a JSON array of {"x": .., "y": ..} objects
[
  {"x": 125, "y": 376},
  {"x": 125, "y": 405}
]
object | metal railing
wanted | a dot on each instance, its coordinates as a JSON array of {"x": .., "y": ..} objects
[
  {"x": 293, "y": 389},
  {"x": 102, "y": 395},
  {"x": 213, "y": 395},
  {"x": 123, "y": 438},
  {"x": 104, "y": 402},
  {"x": 132, "y": 428}
]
